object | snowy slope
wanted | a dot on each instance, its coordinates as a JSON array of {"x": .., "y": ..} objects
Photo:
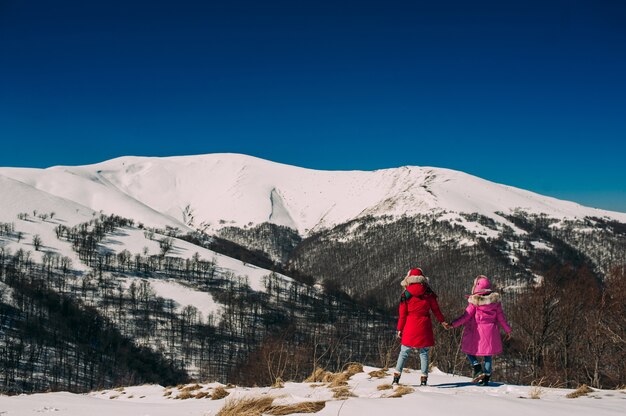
[
  {"x": 232, "y": 189},
  {"x": 446, "y": 395}
]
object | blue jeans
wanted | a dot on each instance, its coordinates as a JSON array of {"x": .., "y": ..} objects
[
  {"x": 404, "y": 354},
  {"x": 474, "y": 360}
]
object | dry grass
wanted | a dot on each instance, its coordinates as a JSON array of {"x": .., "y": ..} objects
[
  {"x": 580, "y": 391},
  {"x": 251, "y": 406},
  {"x": 342, "y": 393},
  {"x": 219, "y": 393},
  {"x": 167, "y": 393},
  {"x": 378, "y": 374},
  {"x": 304, "y": 407},
  {"x": 338, "y": 379},
  {"x": 354, "y": 368},
  {"x": 184, "y": 395},
  {"x": 401, "y": 391},
  {"x": 384, "y": 387},
  {"x": 192, "y": 387},
  {"x": 317, "y": 375},
  {"x": 535, "y": 392},
  {"x": 278, "y": 383},
  {"x": 257, "y": 406},
  {"x": 114, "y": 397},
  {"x": 202, "y": 395}
]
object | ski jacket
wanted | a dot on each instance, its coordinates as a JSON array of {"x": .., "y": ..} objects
[
  {"x": 414, "y": 322},
  {"x": 482, "y": 318}
]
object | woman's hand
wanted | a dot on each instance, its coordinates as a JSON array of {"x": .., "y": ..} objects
[
  {"x": 399, "y": 334},
  {"x": 446, "y": 325}
]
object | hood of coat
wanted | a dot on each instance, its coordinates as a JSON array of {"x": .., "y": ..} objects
[
  {"x": 409, "y": 280},
  {"x": 484, "y": 299}
]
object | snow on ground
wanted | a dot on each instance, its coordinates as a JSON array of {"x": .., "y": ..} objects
[
  {"x": 446, "y": 395},
  {"x": 134, "y": 241},
  {"x": 182, "y": 295},
  {"x": 49, "y": 241},
  {"x": 540, "y": 245}
]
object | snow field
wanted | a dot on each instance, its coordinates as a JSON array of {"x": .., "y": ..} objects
[{"x": 446, "y": 395}]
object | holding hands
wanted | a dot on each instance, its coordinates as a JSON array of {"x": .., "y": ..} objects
[{"x": 446, "y": 325}]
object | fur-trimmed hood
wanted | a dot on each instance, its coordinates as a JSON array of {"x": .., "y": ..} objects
[
  {"x": 409, "y": 280},
  {"x": 484, "y": 299}
]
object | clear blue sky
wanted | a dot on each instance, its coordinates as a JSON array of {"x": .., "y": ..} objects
[{"x": 530, "y": 94}]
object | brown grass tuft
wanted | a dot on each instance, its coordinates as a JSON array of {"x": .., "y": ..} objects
[
  {"x": 257, "y": 406},
  {"x": 192, "y": 387},
  {"x": 385, "y": 387},
  {"x": 278, "y": 383},
  {"x": 246, "y": 406},
  {"x": 184, "y": 395},
  {"x": 378, "y": 374},
  {"x": 401, "y": 391},
  {"x": 535, "y": 392},
  {"x": 304, "y": 407},
  {"x": 317, "y": 375},
  {"x": 580, "y": 391},
  {"x": 354, "y": 368},
  {"x": 219, "y": 393},
  {"x": 202, "y": 394},
  {"x": 338, "y": 379},
  {"x": 342, "y": 393}
]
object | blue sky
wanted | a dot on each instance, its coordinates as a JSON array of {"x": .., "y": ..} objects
[{"x": 530, "y": 94}]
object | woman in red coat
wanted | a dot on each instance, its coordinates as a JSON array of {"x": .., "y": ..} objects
[{"x": 414, "y": 324}]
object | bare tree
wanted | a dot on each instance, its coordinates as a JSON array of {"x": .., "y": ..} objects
[{"x": 37, "y": 242}]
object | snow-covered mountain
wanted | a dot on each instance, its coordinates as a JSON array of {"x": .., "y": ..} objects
[{"x": 217, "y": 190}]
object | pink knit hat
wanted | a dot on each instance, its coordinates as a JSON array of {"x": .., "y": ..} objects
[{"x": 481, "y": 285}]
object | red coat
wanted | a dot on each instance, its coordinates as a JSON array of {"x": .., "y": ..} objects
[{"x": 414, "y": 322}]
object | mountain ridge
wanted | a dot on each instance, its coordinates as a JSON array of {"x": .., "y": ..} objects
[{"x": 226, "y": 189}]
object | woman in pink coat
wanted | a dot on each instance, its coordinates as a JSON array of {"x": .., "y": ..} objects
[
  {"x": 415, "y": 328},
  {"x": 481, "y": 335}
]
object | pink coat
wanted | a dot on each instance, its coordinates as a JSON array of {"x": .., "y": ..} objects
[{"x": 481, "y": 335}]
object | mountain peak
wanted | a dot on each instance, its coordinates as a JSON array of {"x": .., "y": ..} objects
[{"x": 235, "y": 189}]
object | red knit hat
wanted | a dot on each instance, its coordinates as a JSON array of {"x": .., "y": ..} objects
[{"x": 416, "y": 272}]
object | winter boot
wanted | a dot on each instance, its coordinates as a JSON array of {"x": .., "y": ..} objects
[
  {"x": 484, "y": 381},
  {"x": 396, "y": 379},
  {"x": 423, "y": 380},
  {"x": 478, "y": 374}
]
